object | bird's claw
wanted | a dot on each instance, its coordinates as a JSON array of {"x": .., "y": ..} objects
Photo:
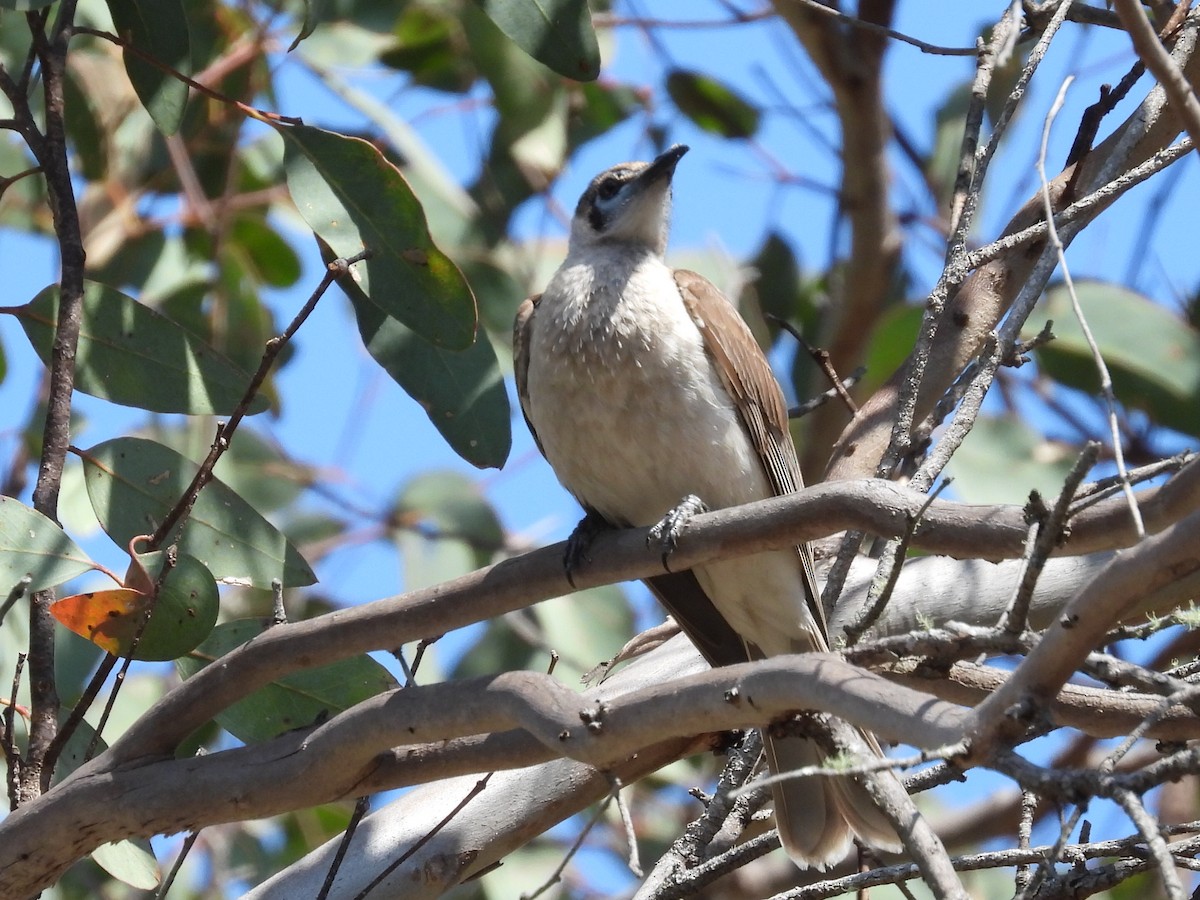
[
  {"x": 667, "y": 531},
  {"x": 580, "y": 543}
]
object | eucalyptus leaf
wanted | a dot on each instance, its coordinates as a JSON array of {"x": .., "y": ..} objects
[
  {"x": 134, "y": 483},
  {"x": 354, "y": 199},
  {"x": 295, "y": 700},
  {"x": 132, "y": 355},
  {"x": 33, "y": 545},
  {"x": 557, "y": 33},
  {"x": 158, "y": 29},
  {"x": 462, "y": 392},
  {"x": 712, "y": 105},
  {"x": 1152, "y": 354}
]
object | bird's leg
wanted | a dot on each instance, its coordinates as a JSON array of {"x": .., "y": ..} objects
[
  {"x": 671, "y": 526},
  {"x": 580, "y": 542}
]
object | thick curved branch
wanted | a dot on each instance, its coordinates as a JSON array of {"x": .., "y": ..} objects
[
  {"x": 875, "y": 506},
  {"x": 531, "y": 719}
]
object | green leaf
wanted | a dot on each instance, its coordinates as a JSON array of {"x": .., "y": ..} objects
[
  {"x": 462, "y": 391},
  {"x": 1153, "y": 355},
  {"x": 711, "y": 105},
  {"x": 262, "y": 252},
  {"x": 294, "y": 701},
  {"x": 353, "y": 199},
  {"x": 31, "y": 544},
  {"x": 1003, "y": 459},
  {"x": 129, "y": 861},
  {"x": 584, "y": 628},
  {"x": 134, "y": 483},
  {"x": 430, "y": 47},
  {"x": 449, "y": 504},
  {"x": 891, "y": 343},
  {"x": 158, "y": 29},
  {"x": 83, "y": 126},
  {"x": 185, "y": 612},
  {"x": 596, "y": 108},
  {"x": 253, "y": 467},
  {"x": 131, "y": 355},
  {"x": 557, "y": 33},
  {"x": 315, "y": 12},
  {"x": 941, "y": 166},
  {"x": 24, "y": 5}
]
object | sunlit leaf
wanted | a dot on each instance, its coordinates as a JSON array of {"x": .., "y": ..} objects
[
  {"x": 106, "y": 618},
  {"x": 1152, "y": 354},
  {"x": 263, "y": 252},
  {"x": 557, "y": 33},
  {"x": 134, "y": 483},
  {"x": 31, "y": 544},
  {"x": 315, "y": 12},
  {"x": 158, "y": 29},
  {"x": 130, "y": 861},
  {"x": 354, "y": 199},
  {"x": 462, "y": 391},
  {"x": 430, "y": 46},
  {"x": 1003, "y": 459},
  {"x": 596, "y": 108},
  {"x": 447, "y": 527},
  {"x": 183, "y": 614},
  {"x": 130, "y": 354},
  {"x": 294, "y": 701},
  {"x": 711, "y": 105}
]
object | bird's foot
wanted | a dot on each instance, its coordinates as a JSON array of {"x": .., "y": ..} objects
[
  {"x": 580, "y": 542},
  {"x": 669, "y": 528}
]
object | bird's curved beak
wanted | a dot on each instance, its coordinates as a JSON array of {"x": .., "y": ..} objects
[{"x": 663, "y": 167}]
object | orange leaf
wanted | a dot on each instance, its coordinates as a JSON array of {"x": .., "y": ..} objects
[{"x": 108, "y": 619}]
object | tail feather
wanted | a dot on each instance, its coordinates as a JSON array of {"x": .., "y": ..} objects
[
  {"x": 817, "y": 816},
  {"x": 812, "y": 828}
]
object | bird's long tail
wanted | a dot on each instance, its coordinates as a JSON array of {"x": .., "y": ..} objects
[{"x": 816, "y": 816}]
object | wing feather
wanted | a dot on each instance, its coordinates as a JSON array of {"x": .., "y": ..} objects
[{"x": 748, "y": 377}]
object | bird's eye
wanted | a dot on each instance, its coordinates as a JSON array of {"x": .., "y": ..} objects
[{"x": 608, "y": 188}]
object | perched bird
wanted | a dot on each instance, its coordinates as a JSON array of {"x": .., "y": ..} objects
[{"x": 643, "y": 386}]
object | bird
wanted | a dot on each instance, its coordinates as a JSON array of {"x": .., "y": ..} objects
[{"x": 650, "y": 398}]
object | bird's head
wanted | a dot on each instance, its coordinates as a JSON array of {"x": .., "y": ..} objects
[{"x": 629, "y": 203}]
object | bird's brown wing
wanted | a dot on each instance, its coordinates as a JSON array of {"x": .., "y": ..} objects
[
  {"x": 751, "y": 383},
  {"x": 521, "y": 328}
]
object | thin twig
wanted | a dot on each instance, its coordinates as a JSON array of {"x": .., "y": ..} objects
[
  {"x": 1097, "y": 358},
  {"x": 1049, "y": 532},
  {"x": 360, "y": 810},
  {"x": 1154, "y": 840},
  {"x": 1029, "y": 804},
  {"x": 11, "y": 755},
  {"x": 876, "y": 28},
  {"x": 1151, "y": 51},
  {"x": 178, "y": 515},
  {"x": 14, "y": 595},
  {"x": 475, "y": 791},
  {"x": 821, "y": 358},
  {"x": 261, "y": 115},
  {"x": 556, "y": 876},
  {"x": 887, "y": 573},
  {"x": 165, "y": 887},
  {"x": 803, "y": 409}
]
